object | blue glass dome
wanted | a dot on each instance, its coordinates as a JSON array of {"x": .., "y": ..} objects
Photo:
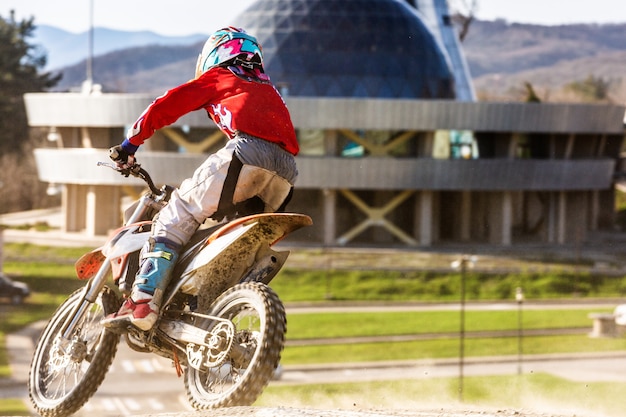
[{"x": 348, "y": 48}]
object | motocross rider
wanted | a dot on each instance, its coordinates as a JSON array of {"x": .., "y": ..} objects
[{"x": 257, "y": 161}]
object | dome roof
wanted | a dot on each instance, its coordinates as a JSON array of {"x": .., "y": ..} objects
[{"x": 348, "y": 48}]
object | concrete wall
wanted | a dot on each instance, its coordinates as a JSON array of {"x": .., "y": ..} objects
[{"x": 544, "y": 171}]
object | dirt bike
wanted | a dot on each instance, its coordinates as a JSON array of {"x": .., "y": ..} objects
[{"x": 220, "y": 323}]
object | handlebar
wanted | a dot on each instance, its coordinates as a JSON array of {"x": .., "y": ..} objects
[{"x": 138, "y": 172}]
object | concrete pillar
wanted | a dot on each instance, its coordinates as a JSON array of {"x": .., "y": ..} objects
[
  {"x": 424, "y": 217},
  {"x": 435, "y": 220},
  {"x": 330, "y": 196},
  {"x": 561, "y": 217},
  {"x": 85, "y": 137},
  {"x": 569, "y": 146},
  {"x": 466, "y": 215},
  {"x": 552, "y": 218},
  {"x": 507, "y": 218},
  {"x": 594, "y": 208},
  {"x": 74, "y": 207},
  {"x": 91, "y": 205},
  {"x": 501, "y": 218},
  {"x": 577, "y": 216},
  {"x": 103, "y": 208},
  {"x": 511, "y": 144},
  {"x": 330, "y": 217},
  {"x": 426, "y": 144}
]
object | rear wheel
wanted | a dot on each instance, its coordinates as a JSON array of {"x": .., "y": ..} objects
[
  {"x": 259, "y": 319},
  {"x": 64, "y": 373}
]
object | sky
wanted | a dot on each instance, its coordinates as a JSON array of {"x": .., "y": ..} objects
[{"x": 186, "y": 17}]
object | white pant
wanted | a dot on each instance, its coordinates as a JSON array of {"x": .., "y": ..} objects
[{"x": 198, "y": 197}]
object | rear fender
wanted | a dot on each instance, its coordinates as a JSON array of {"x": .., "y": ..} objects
[
  {"x": 275, "y": 226},
  {"x": 244, "y": 237},
  {"x": 234, "y": 251}
]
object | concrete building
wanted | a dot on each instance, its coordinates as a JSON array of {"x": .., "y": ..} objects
[{"x": 389, "y": 158}]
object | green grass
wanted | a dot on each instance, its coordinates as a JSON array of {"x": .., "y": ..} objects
[
  {"x": 447, "y": 348},
  {"x": 38, "y": 306},
  {"x": 321, "y": 325},
  {"x": 13, "y": 407},
  {"x": 31, "y": 263},
  {"x": 537, "y": 391},
  {"x": 328, "y": 325},
  {"x": 50, "y": 274},
  {"x": 338, "y": 285},
  {"x": 4, "y": 360}
]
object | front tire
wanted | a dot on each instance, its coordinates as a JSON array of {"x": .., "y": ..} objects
[
  {"x": 64, "y": 374},
  {"x": 260, "y": 325}
]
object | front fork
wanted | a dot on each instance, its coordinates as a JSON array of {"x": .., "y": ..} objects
[{"x": 90, "y": 295}]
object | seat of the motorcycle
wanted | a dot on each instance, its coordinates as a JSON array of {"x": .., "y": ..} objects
[
  {"x": 257, "y": 190},
  {"x": 259, "y": 182},
  {"x": 249, "y": 189}
]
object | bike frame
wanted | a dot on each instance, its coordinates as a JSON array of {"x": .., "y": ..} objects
[
  {"x": 263, "y": 263},
  {"x": 149, "y": 201}
]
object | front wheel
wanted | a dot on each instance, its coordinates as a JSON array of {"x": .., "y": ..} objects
[
  {"x": 65, "y": 373},
  {"x": 259, "y": 320}
]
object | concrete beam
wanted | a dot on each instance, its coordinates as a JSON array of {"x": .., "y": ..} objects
[{"x": 118, "y": 110}]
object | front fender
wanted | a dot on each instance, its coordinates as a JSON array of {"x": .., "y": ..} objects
[{"x": 89, "y": 264}]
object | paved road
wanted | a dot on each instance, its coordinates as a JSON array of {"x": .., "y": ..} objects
[{"x": 142, "y": 384}]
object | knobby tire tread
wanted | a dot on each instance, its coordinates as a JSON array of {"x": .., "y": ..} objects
[
  {"x": 262, "y": 370},
  {"x": 93, "y": 377}
]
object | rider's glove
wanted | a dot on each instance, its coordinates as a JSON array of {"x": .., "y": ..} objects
[{"x": 124, "y": 154}]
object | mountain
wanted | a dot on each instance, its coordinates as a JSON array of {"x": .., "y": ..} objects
[
  {"x": 144, "y": 69},
  {"x": 502, "y": 58},
  {"x": 501, "y": 47},
  {"x": 66, "y": 48}
]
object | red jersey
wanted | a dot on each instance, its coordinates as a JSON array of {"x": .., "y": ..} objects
[{"x": 233, "y": 103}]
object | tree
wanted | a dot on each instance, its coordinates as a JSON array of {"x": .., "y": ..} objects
[
  {"x": 592, "y": 89},
  {"x": 20, "y": 65},
  {"x": 464, "y": 16},
  {"x": 531, "y": 95}
]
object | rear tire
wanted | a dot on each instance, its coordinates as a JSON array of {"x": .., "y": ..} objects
[
  {"x": 260, "y": 325},
  {"x": 65, "y": 374}
]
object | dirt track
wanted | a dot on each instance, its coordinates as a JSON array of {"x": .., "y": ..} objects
[{"x": 298, "y": 412}]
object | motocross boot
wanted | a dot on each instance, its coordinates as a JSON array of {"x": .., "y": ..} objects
[{"x": 141, "y": 308}]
